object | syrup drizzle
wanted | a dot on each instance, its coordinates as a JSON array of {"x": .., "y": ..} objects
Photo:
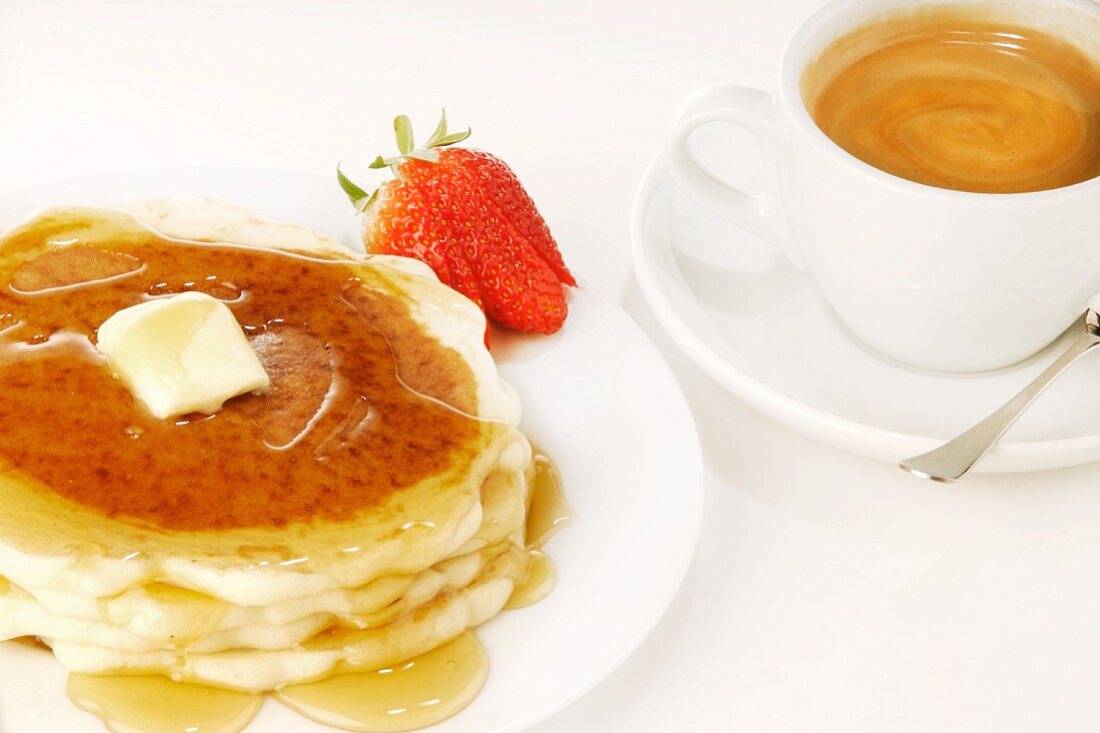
[
  {"x": 540, "y": 581},
  {"x": 549, "y": 511},
  {"x": 420, "y": 692},
  {"x": 158, "y": 705},
  {"x": 337, "y": 338}
]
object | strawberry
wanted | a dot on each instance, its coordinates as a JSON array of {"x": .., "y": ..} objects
[{"x": 464, "y": 213}]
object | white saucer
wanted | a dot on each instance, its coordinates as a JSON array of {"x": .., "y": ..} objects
[{"x": 759, "y": 327}]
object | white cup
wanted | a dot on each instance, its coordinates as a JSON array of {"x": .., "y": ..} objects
[{"x": 935, "y": 278}]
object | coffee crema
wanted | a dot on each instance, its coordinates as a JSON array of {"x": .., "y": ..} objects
[{"x": 957, "y": 100}]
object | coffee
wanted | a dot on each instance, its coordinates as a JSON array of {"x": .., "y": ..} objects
[{"x": 957, "y": 100}]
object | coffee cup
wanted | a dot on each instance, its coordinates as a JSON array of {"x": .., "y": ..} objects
[{"x": 923, "y": 271}]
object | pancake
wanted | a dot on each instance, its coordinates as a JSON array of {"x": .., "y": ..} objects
[
  {"x": 252, "y": 540},
  {"x": 338, "y": 650},
  {"x": 159, "y": 616},
  {"x": 369, "y": 507},
  {"x": 163, "y": 618}
]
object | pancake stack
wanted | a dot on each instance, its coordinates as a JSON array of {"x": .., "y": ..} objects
[{"x": 369, "y": 507}]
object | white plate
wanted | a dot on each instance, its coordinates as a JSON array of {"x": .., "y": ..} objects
[
  {"x": 760, "y": 328},
  {"x": 597, "y": 396}
]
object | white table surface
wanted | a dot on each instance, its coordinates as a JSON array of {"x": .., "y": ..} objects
[{"x": 829, "y": 593}]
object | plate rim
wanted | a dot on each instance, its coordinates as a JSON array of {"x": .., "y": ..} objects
[
  {"x": 840, "y": 432},
  {"x": 692, "y": 465}
]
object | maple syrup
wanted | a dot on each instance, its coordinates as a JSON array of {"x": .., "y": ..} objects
[
  {"x": 326, "y": 332},
  {"x": 32, "y": 641},
  {"x": 148, "y": 704},
  {"x": 540, "y": 581},
  {"x": 415, "y": 694},
  {"x": 549, "y": 512}
]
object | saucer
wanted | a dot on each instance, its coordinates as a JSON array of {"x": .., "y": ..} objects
[{"x": 759, "y": 327}]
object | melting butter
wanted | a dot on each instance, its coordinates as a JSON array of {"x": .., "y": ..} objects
[{"x": 180, "y": 354}]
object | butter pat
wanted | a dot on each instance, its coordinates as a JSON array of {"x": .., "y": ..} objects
[{"x": 184, "y": 353}]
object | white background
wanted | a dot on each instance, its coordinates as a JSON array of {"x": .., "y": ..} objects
[{"x": 829, "y": 592}]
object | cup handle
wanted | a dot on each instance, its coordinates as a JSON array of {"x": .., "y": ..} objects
[{"x": 753, "y": 110}]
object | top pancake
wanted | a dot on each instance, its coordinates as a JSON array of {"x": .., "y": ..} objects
[{"x": 365, "y": 458}]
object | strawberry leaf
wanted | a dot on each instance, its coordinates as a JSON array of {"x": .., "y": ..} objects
[
  {"x": 403, "y": 129},
  {"x": 451, "y": 139},
  {"x": 440, "y": 130},
  {"x": 359, "y": 197}
]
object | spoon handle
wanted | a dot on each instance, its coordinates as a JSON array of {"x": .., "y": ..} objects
[{"x": 955, "y": 457}]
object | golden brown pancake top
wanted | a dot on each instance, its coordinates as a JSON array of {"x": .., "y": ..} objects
[{"x": 363, "y": 401}]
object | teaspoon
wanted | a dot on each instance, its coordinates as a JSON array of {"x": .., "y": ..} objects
[{"x": 958, "y": 455}]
